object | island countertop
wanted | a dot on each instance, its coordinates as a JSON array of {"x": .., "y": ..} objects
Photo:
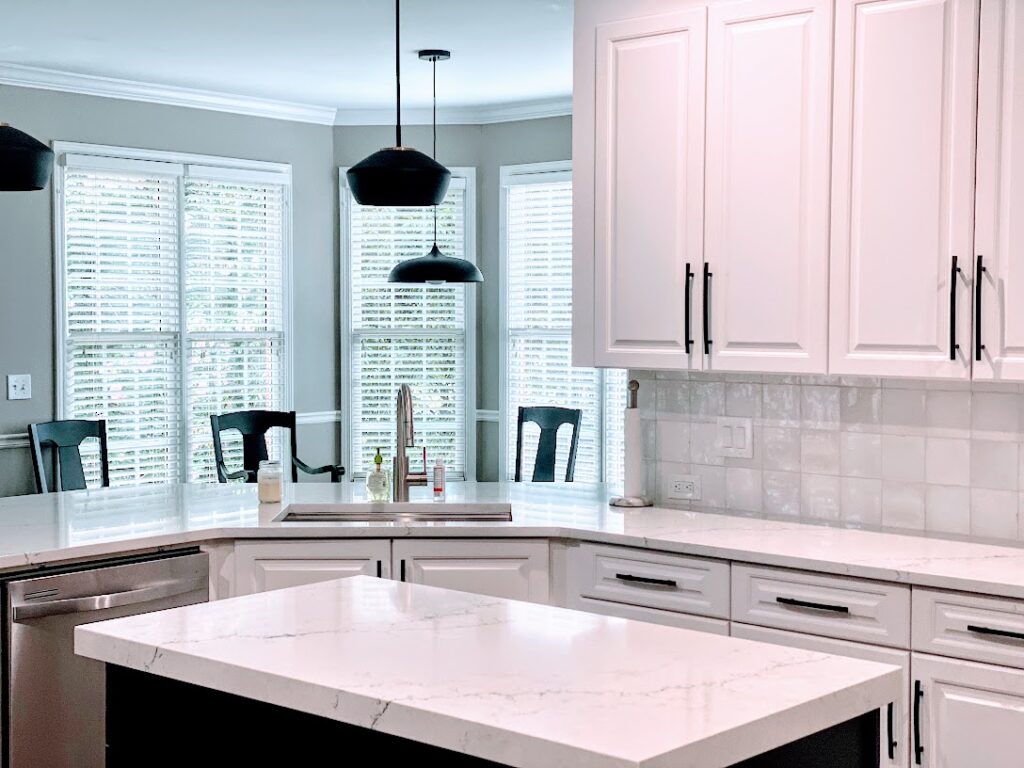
[
  {"x": 60, "y": 527},
  {"x": 517, "y": 683}
]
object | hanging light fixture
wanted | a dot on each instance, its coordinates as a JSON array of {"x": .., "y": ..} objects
[
  {"x": 25, "y": 163},
  {"x": 398, "y": 175},
  {"x": 435, "y": 267}
]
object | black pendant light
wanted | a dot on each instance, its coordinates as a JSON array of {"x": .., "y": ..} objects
[
  {"x": 435, "y": 267},
  {"x": 25, "y": 163},
  {"x": 398, "y": 175}
]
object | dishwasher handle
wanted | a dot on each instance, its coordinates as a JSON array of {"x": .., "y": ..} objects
[{"x": 37, "y": 610}]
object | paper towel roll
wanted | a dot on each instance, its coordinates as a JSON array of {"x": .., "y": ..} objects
[{"x": 633, "y": 472}]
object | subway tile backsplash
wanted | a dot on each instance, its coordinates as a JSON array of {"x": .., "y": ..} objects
[{"x": 936, "y": 456}]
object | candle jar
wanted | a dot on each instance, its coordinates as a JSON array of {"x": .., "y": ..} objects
[{"x": 269, "y": 479}]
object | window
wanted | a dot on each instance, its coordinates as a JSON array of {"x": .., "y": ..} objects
[
  {"x": 172, "y": 302},
  {"x": 407, "y": 334},
  {"x": 536, "y": 250}
]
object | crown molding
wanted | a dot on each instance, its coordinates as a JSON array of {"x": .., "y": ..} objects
[
  {"x": 114, "y": 88},
  {"x": 468, "y": 115}
]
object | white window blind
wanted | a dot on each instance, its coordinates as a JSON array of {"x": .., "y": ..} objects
[
  {"x": 537, "y": 251},
  {"x": 406, "y": 334},
  {"x": 172, "y": 304}
]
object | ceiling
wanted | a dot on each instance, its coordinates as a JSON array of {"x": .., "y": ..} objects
[{"x": 331, "y": 53}]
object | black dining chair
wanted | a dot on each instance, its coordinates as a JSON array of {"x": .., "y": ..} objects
[
  {"x": 549, "y": 419},
  {"x": 65, "y": 438},
  {"x": 254, "y": 425}
]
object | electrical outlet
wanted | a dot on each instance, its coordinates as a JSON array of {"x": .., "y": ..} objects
[
  {"x": 684, "y": 487},
  {"x": 19, "y": 386},
  {"x": 735, "y": 438}
]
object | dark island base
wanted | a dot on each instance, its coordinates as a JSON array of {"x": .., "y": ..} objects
[{"x": 160, "y": 723}]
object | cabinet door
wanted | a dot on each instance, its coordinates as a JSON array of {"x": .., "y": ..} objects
[
  {"x": 648, "y": 188},
  {"x": 999, "y": 239},
  {"x": 971, "y": 714},
  {"x": 767, "y": 180},
  {"x": 895, "y": 734},
  {"x": 903, "y": 187},
  {"x": 513, "y": 569},
  {"x": 264, "y": 565}
]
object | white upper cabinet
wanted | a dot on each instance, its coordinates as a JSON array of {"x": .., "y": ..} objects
[
  {"x": 999, "y": 242},
  {"x": 769, "y": 75},
  {"x": 903, "y": 187},
  {"x": 647, "y": 194}
]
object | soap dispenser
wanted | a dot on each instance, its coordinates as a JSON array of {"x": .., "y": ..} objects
[{"x": 377, "y": 485}]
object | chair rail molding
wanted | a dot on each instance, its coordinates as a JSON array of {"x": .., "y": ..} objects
[
  {"x": 318, "y": 417},
  {"x": 493, "y": 416},
  {"x": 14, "y": 440}
]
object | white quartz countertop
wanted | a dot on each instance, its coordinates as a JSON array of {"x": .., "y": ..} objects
[
  {"x": 521, "y": 684},
  {"x": 44, "y": 529}
]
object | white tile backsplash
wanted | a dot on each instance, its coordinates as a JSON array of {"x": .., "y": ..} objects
[{"x": 940, "y": 456}]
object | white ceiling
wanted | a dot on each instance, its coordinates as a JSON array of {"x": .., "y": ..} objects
[{"x": 332, "y": 53}]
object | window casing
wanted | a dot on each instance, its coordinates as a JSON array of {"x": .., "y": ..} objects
[
  {"x": 172, "y": 299},
  {"x": 536, "y": 322},
  {"x": 394, "y": 334}
]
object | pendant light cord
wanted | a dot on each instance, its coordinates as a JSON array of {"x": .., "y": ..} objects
[
  {"x": 398, "y": 73},
  {"x": 435, "y": 141}
]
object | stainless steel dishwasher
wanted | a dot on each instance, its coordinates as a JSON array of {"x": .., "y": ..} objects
[{"x": 54, "y": 708}]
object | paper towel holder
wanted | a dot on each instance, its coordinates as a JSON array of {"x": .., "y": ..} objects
[{"x": 637, "y": 500}]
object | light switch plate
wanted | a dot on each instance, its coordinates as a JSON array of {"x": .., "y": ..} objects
[
  {"x": 735, "y": 438},
  {"x": 19, "y": 386}
]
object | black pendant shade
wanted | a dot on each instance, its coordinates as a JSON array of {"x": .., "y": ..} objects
[
  {"x": 25, "y": 163},
  {"x": 435, "y": 268},
  {"x": 398, "y": 175}
]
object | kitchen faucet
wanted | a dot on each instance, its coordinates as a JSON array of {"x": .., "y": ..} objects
[{"x": 405, "y": 438}]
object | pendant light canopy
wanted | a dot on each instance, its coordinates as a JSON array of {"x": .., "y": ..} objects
[
  {"x": 25, "y": 163},
  {"x": 398, "y": 175},
  {"x": 435, "y": 267}
]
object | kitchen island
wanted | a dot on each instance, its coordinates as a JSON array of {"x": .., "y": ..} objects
[{"x": 366, "y": 669}]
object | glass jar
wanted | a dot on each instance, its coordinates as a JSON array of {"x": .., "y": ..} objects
[{"x": 270, "y": 479}]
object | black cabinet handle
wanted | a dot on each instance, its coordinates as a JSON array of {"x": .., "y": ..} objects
[
  {"x": 953, "y": 346},
  {"x": 995, "y": 632},
  {"x": 792, "y": 601},
  {"x": 688, "y": 341},
  {"x": 628, "y": 577},
  {"x": 707, "y": 309},
  {"x": 401, "y": 568},
  {"x": 979, "y": 274},
  {"x": 380, "y": 569},
  {"x": 891, "y": 740},
  {"x": 918, "y": 695}
]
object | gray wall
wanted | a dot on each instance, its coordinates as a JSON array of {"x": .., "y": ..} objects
[
  {"x": 26, "y": 296},
  {"x": 315, "y": 153}
]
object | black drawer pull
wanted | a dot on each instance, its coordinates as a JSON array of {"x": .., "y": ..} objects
[
  {"x": 996, "y": 632},
  {"x": 891, "y": 740},
  {"x": 953, "y": 346},
  {"x": 688, "y": 340},
  {"x": 979, "y": 278},
  {"x": 380, "y": 569},
  {"x": 813, "y": 606},
  {"x": 706, "y": 309},
  {"x": 918, "y": 747},
  {"x": 630, "y": 578}
]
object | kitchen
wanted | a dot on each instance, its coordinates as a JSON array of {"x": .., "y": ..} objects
[{"x": 815, "y": 296}]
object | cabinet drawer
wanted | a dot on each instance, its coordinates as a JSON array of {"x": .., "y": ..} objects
[
  {"x": 652, "y": 615},
  {"x": 849, "y": 609},
  {"x": 985, "y": 629},
  {"x": 653, "y": 580}
]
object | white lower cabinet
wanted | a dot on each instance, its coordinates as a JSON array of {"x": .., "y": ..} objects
[
  {"x": 264, "y": 565},
  {"x": 514, "y": 569},
  {"x": 970, "y": 715},
  {"x": 895, "y": 719}
]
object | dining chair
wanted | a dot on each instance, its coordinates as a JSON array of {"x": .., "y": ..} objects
[
  {"x": 253, "y": 426},
  {"x": 549, "y": 418},
  {"x": 65, "y": 438}
]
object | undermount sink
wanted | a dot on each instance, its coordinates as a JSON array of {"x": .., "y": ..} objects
[{"x": 396, "y": 512}]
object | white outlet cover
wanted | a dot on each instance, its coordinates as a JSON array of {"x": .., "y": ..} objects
[
  {"x": 19, "y": 386},
  {"x": 735, "y": 438},
  {"x": 684, "y": 487}
]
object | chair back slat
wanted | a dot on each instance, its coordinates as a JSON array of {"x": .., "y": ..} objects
[
  {"x": 65, "y": 438},
  {"x": 549, "y": 419}
]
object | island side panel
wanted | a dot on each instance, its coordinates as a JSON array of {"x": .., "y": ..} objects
[{"x": 163, "y": 723}]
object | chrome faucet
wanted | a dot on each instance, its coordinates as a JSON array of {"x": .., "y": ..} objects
[{"x": 405, "y": 438}]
